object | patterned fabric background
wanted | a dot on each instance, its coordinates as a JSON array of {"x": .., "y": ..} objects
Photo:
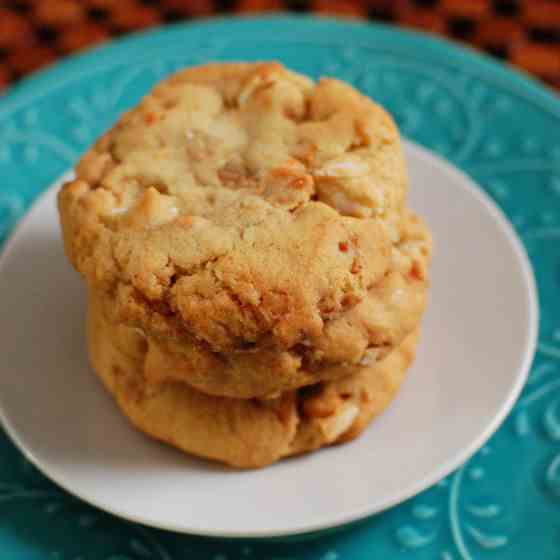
[{"x": 34, "y": 33}]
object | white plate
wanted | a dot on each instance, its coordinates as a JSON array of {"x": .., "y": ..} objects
[{"x": 477, "y": 345}]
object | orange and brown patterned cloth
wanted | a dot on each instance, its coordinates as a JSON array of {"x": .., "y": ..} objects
[{"x": 34, "y": 33}]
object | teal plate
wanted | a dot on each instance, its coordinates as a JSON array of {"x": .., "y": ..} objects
[{"x": 499, "y": 127}]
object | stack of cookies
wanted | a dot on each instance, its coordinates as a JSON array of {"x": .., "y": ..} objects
[{"x": 255, "y": 278}]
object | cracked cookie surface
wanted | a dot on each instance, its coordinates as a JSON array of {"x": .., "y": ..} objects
[
  {"x": 248, "y": 209},
  {"x": 360, "y": 336}
]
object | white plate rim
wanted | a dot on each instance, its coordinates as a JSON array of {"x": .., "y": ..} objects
[{"x": 336, "y": 520}]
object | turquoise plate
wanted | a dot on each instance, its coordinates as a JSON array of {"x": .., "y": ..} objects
[{"x": 498, "y": 126}]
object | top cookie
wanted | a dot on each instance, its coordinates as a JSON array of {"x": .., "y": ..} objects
[{"x": 239, "y": 204}]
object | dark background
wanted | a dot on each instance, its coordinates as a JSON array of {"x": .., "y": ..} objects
[{"x": 34, "y": 33}]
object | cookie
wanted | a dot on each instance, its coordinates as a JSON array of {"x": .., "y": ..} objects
[
  {"x": 245, "y": 208},
  {"x": 361, "y": 336},
  {"x": 245, "y": 433}
]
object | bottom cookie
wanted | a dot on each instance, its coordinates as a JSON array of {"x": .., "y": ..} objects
[{"x": 245, "y": 433}]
